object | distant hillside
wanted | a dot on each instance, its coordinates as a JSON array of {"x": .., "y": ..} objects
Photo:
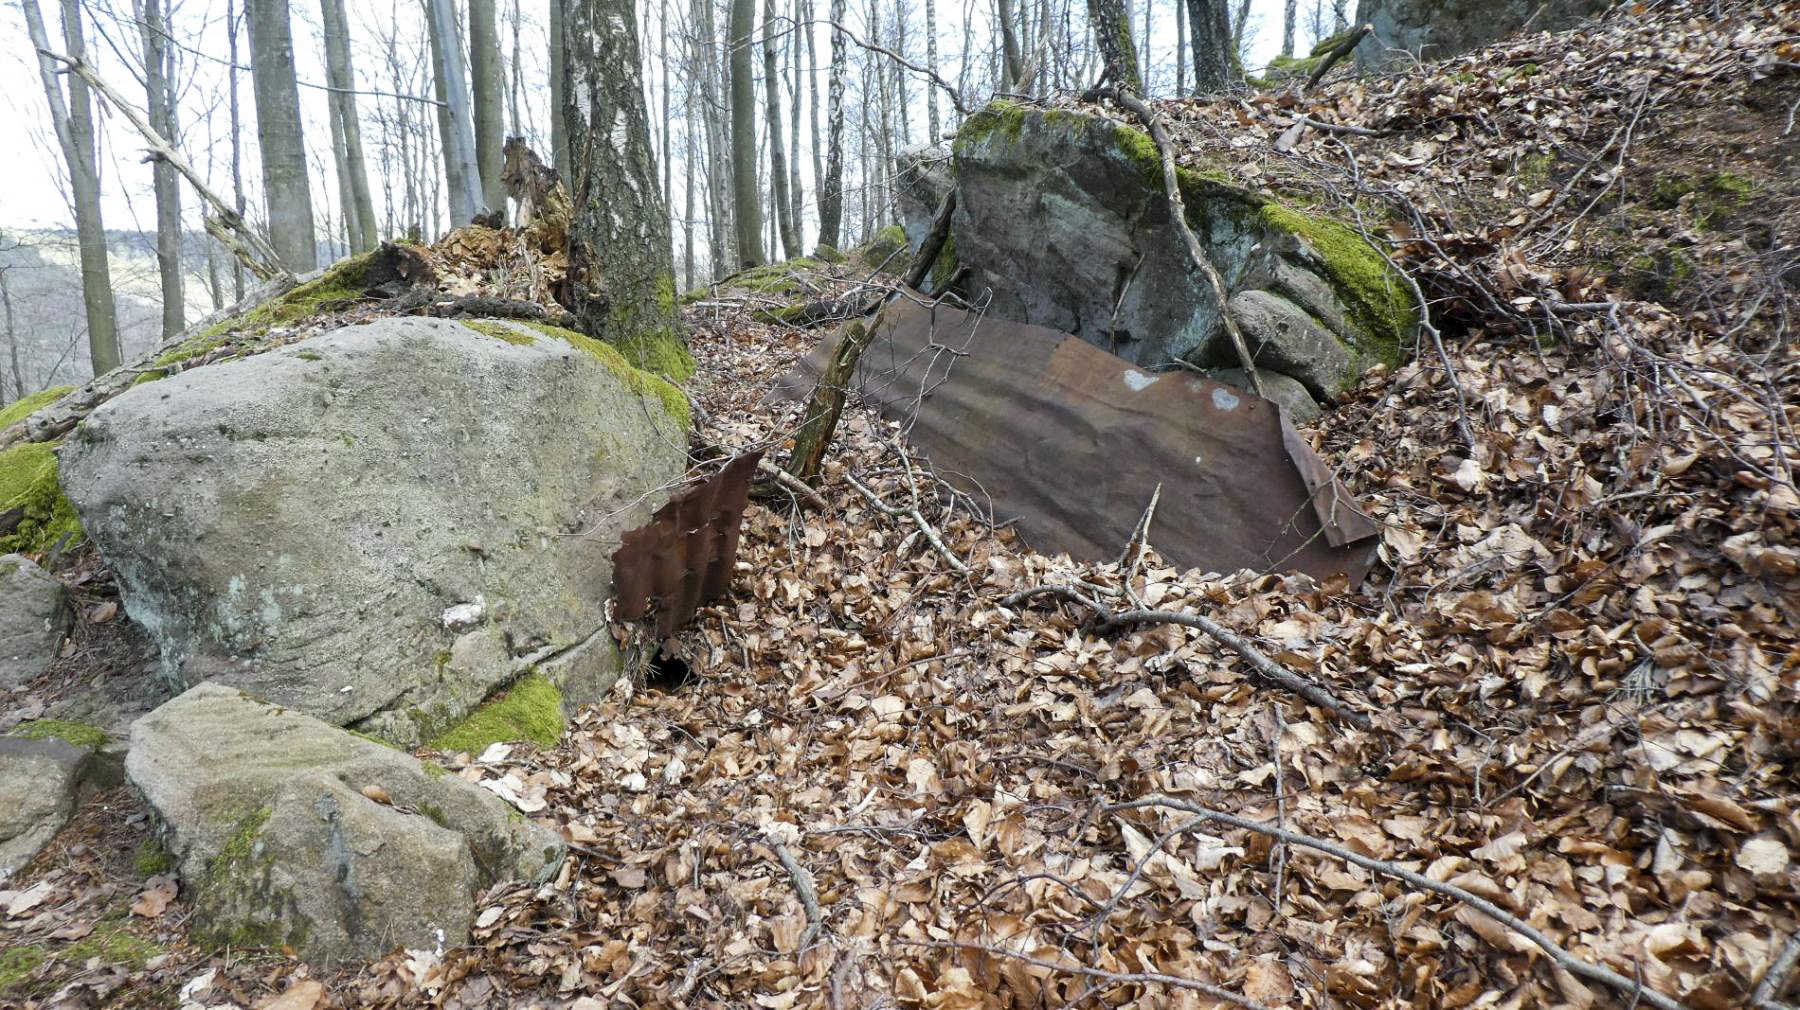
[{"x": 44, "y": 341}]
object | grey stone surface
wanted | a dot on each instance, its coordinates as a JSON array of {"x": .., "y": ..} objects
[
  {"x": 922, "y": 178},
  {"x": 1283, "y": 337},
  {"x": 1438, "y": 29},
  {"x": 1282, "y": 389},
  {"x": 297, "y": 523},
  {"x": 1062, "y": 218},
  {"x": 290, "y": 831},
  {"x": 34, "y": 617},
  {"x": 38, "y": 782}
]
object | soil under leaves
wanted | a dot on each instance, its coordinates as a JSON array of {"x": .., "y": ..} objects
[{"x": 1580, "y": 665}]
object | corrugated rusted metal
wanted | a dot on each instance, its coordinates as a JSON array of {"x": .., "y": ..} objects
[
  {"x": 1071, "y": 441},
  {"x": 683, "y": 556}
]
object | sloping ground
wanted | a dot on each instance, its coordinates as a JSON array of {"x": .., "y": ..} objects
[{"x": 1580, "y": 675}]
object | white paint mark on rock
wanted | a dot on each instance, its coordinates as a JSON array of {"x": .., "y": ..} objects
[
  {"x": 1225, "y": 399},
  {"x": 1138, "y": 381}
]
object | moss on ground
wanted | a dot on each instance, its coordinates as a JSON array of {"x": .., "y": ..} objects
[
  {"x": 152, "y": 858},
  {"x": 531, "y": 709},
  {"x": 28, "y": 481},
  {"x": 78, "y": 733},
  {"x": 22, "y": 408},
  {"x": 500, "y": 331},
  {"x": 111, "y": 942},
  {"x": 884, "y": 248},
  {"x": 775, "y": 278},
  {"x": 639, "y": 379}
]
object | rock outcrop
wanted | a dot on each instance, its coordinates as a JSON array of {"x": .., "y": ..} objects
[
  {"x": 923, "y": 177},
  {"x": 382, "y": 525},
  {"x": 38, "y": 782},
  {"x": 288, "y": 831},
  {"x": 34, "y": 617},
  {"x": 1062, "y": 217},
  {"x": 1407, "y": 30}
]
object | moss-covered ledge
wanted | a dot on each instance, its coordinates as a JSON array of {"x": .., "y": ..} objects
[
  {"x": 639, "y": 380},
  {"x": 1375, "y": 295}
]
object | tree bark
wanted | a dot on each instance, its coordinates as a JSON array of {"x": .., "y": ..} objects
[
  {"x": 287, "y": 193},
  {"x": 237, "y": 142},
  {"x": 1238, "y": 22},
  {"x": 746, "y": 198},
  {"x": 73, "y": 121},
  {"x": 12, "y": 343},
  {"x": 796, "y": 188},
  {"x": 1112, "y": 31},
  {"x": 778, "y": 176},
  {"x": 620, "y": 258},
  {"x": 559, "y": 129},
  {"x": 1209, "y": 25},
  {"x": 831, "y": 187},
  {"x": 1288, "y": 13},
  {"x": 341, "y": 75},
  {"x": 1144, "y": 57},
  {"x": 463, "y": 175},
  {"x": 1181, "y": 45},
  {"x": 931, "y": 60},
  {"x": 1009, "y": 44},
  {"x": 484, "y": 71},
  {"x": 153, "y": 24}
]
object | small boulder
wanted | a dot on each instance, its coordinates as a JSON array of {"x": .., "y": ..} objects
[
  {"x": 1283, "y": 390},
  {"x": 34, "y": 617},
  {"x": 1283, "y": 337},
  {"x": 289, "y": 831},
  {"x": 382, "y": 525},
  {"x": 38, "y": 783}
]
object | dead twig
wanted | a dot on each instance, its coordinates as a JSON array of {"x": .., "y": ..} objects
[
  {"x": 1106, "y": 621},
  {"x": 1115, "y": 977},
  {"x": 918, "y": 519},
  {"x": 1774, "y": 981},
  {"x": 1569, "y": 962},
  {"x": 804, "y": 887},
  {"x": 1338, "y": 52},
  {"x": 792, "y": 484}
]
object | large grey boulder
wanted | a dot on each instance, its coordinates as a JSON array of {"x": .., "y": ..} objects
[
  {"x": 922, "y": 178},
  {"x": 1406, "y": 30},
  {"x": 288, "y": 831},
  {"x": 382, "y": 525},
  {"x": 34, "y": 617},
  {"x": 1062, "y": 218},
  {"x": 38, "y": 782}
]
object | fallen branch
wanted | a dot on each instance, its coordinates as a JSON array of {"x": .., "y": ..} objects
[
  {"x": 1567, "y": 961},
  {"x": 933, "y": 243},
  {"x": 1115, "y": 977},
  {"x": 918, "y": 518},
  {"x": 1338, "y": 52},
  {"x": 1178, "y": 214},
  {"x": 792, "y": 484},
  {"x": 804, "y": 887},
  {"x": 1107, "y": 621},
  {"x": 1774, "y": 981}
]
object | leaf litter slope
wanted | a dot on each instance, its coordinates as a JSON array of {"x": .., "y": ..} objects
[{"x": 1580, "y": 672}]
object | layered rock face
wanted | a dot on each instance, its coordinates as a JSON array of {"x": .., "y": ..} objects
[
  {"x": 381, "y": 525},
  {"x": 1063, "y": 218},
  {"x": 1407, "y": 30},
  {"x": 292, "y": 832}
]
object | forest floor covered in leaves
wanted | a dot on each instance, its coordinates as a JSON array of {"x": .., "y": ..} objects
[{"x": 881, "y": 785}]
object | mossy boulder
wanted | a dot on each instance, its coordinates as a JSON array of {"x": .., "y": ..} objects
[
  {"x": 1406, "y": 30},
  {"x": 885, "y": 250},
  {"x": 290, "y": 832},
  {"x": 1062, "y": 215},
  {"x": 38, "y": 782},
  {"x": 34, "y": 513},
  {"x": 382, "y": 525}
]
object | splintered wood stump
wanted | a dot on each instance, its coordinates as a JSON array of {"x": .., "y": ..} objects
[{"x": 827, "y": 402}]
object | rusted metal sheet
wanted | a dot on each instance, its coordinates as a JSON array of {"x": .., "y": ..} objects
[
  {"x": 683, "y": 556},
  {"x": 1071, "y": 441}
]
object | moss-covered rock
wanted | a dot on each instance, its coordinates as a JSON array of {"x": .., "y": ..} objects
[
  {"x": 78, "y": 733},
  {"x": 31, "y": 403},
  {"x": 531, "y": 709},
  {"x": 29, "y": 481},
  {"x": 1063, "y": 216},
  {"x": 885, "y": 250}
]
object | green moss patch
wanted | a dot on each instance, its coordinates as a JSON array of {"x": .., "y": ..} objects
[
  {"x": 340, "y": 284},
  {"x": 885, "y": 247},
  {"x": 78, "y": 733},
  {"x": 28, "y": 481},
  {"x": 22, "y": 408},
  {"x": 111, "y": 942},
  {"x": 152, "y": 858},
  {"x": 782, "y": 278},
  {"x": 641, "y": 380},
  {"x": 1378, "y": 298},
  {"x": 500, "y": 331},
  {"x": 531, "y": 709}
]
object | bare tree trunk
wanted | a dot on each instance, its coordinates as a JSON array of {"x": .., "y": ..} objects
[
  {"x": 12, "y": 344},
  {"x": 341, "y": 172},
  {"x": 153, "y": 24},
  {"x": 1180, "y": 48},
  {"x": 559, "y": 129},
  {"x": 687, "y": 210},
  {"x": 744, "y": 189},
  {"x": 778, "y": 178},
  {"x": 463, "y": 175},
  {"x": 668, "y": 114},
  {"x": 1144, "y": 59},
  {"x": 1009, "y": 42},
  {"x": 286, "y": 191},
  {"x": 619, "y": 253},
  {"x": 1287, "y": 28},
  {"x": 931, "y": 60},
  {"x": 721, "y": 231},
  {"x": 1112, "y": 31},
  {"x": 1340, "y": 20},
  {"x": 831, "y": 186},
  {"x": 484, "y": 71},
  {"x": 796, "y": 188},
  {"x": 516, "y": 78},
  {"x": 812, "y": 96},
  {"x": 1238, "y": 24},
  {"x": 1210, "y": 24},
  {"x": 73, "y": 121},
  {"x": 899, "y": 75},
  {"x": 341, "y": 75},
  {"x": 237, "y": 143}
]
